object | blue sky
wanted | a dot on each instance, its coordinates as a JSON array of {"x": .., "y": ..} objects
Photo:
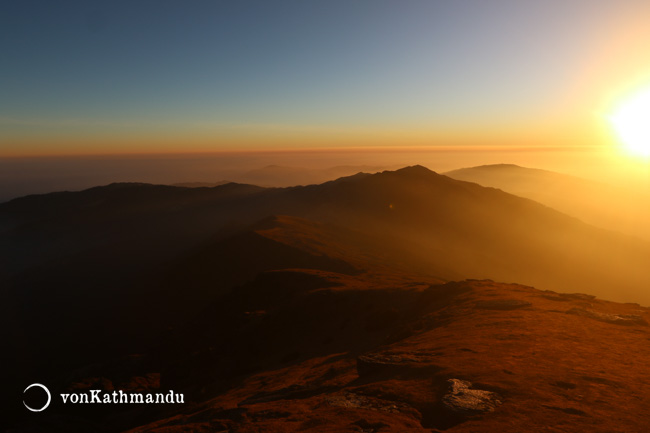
[{"x": 147, "y": 68}]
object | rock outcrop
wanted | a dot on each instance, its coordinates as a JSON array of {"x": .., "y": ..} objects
[
  {"x": 465, "y": 401},
  {"x": 395, "y": 364},
  {"x": 616, "y": 319}
]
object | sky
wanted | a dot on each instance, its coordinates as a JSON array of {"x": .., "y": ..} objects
[{"x": 84, "y": 77}]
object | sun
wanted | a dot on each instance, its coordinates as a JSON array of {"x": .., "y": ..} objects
[{"x": 631, "y": 120}]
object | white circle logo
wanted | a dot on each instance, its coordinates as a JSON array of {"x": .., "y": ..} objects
[{"x": 49, "y": 397}]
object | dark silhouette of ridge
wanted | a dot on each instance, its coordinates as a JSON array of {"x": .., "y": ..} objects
[
  {"x": 460, "y": 228},
  {"x": 285, "y": 176}
]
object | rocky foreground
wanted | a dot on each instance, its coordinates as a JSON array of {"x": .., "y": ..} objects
[{"x": 461, "y": 357}]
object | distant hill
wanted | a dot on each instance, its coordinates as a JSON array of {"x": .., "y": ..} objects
[{"x": 597, "y": 203}]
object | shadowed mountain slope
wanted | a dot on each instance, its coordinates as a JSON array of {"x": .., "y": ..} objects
[
  {"x": 483, "y": 232},
  {"x": 458, "y": 228}
]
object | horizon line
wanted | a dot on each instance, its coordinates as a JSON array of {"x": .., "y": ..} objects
[{"x": 289, "y": 150}]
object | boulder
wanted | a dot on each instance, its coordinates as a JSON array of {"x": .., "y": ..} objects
[{"x": 462, "y": 400}]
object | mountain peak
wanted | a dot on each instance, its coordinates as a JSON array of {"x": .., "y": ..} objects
[{"x": 414, "y": 169}]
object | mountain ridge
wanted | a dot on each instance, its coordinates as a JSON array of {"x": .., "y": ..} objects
[{"x": 469, "y": 229}]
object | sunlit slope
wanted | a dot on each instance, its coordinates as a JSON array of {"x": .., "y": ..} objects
[{"x": 626, "y": 210}]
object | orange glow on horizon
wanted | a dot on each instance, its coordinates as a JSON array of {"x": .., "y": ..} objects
[{"x": 338, "y": 139}]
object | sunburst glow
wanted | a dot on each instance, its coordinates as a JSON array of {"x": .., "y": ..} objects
[{"x": 632, "y": 123}]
